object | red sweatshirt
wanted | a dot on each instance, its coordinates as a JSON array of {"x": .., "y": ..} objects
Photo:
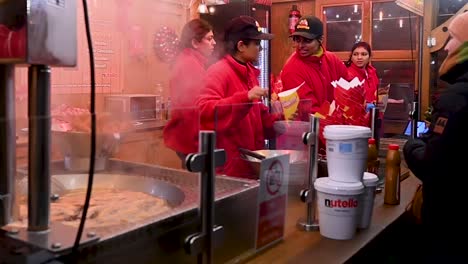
[
  {"x": 317, "y": 73},
  {"x": 371, "y": 84},
  {"x": 238, "y": 122},
  {"x": 181, "y": 132}
]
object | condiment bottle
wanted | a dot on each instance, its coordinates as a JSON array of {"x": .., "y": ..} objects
[
  {"x": 392, "y": 175},
  {"x": 373, "y": 161}
]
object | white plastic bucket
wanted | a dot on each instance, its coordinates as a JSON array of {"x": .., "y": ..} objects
[
  {"x": 339, "y": 207},
  {"x": 346, "y": 151},
  {"x": 370, "y": 181},
  {"x": 290, "y": 134}
]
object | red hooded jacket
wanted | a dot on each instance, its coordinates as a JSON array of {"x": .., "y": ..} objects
[
  {"x": 317, "y": 73},
  {"x": 238, "y": 122},
  {"x": 181, "y": 132},
  {"x": 371, "y": 84}
]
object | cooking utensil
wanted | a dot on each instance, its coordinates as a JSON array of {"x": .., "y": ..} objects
[{"x": 252, "y": 153}]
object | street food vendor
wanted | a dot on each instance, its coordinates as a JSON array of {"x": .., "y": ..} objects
[
  {"x": 312, "y": 66},
  {"x": 359, "y": 66},
  {"x": 197, "y": 44},
  {"x": 230, "y": 101}
]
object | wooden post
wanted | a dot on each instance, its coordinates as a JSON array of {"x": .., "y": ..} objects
[{"x": 431, "y": 8}]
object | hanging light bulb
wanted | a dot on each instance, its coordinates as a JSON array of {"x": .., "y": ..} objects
[
  {"x": 212, "y": 9},
  {"x": 401, "y": 23},
  {"x": 380, "y": 15},
  {"x": 202, "y": 8}
]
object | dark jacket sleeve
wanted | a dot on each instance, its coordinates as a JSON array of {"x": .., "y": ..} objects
[
  {"x": 413, "y": 152},
  {"x": 448, "y": 125}
]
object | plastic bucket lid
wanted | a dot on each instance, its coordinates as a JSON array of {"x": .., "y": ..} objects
[
  {"x": 370, "y": 179},
  {"x": 326, "y": 185},
  {"x": 343, "y": 132}
]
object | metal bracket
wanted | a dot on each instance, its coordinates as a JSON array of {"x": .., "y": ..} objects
[
  {"x": 195, "y": 243},
  {"x": 58, "y": 238},
  {"x": 431, "y": 42},
  {"x": 195, "y": 162},
  {"x": 310, "y": 223},
  {"x": 308, "y": 138},
  {"x": 202, "y": 243}
]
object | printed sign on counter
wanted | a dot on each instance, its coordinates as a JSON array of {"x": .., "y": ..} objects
[{"x": 272, "y": 199}]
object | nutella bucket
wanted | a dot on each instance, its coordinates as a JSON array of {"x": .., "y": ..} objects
[
  {"x": 370, "y": 182},
  {"x": 338, "y": 207},
  {"x": 346, "y": 151}
]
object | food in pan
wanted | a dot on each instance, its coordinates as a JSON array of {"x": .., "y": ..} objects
[{"x": 108, "y": 207}]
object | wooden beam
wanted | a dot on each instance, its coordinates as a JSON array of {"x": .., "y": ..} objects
[
  {"x": 194, "y": 10},
  {"x": 431, "y": 8},
  {"x": 441, "y": 34}
]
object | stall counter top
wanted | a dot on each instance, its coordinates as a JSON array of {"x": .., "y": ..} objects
[{"x": 310, "y": 247}]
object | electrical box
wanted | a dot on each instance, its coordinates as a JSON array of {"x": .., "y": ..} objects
[{"x": 38, "y": 32}]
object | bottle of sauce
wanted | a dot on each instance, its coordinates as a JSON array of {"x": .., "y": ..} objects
[
  {"x": 373, "y": 161},
  {"x": 392, "y": 175}
]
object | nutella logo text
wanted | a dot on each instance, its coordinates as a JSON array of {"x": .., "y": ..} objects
[{"x": 350, "y": 203}]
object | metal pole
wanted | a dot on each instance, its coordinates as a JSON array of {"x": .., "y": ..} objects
[
  {"x": 39, "y": 148},
  {"x": 420, "y": 68},
  {"x": 7, "y": 141},
  {"x": 308, "y": 195},
  {"x": 375, "y": 125},
  {"x": 207, "y": 197},
  {"x": 414, "y": 119}
]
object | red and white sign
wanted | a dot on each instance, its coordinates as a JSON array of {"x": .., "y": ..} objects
[{"x": 272, "y": 199}]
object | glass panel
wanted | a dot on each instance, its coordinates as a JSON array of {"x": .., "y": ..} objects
[
  {"x": 447, "y": 8},
  {"x": 391, "y": 26},
  {"x": 343, "y": 26},
  {"x": 396, "y": 80}
]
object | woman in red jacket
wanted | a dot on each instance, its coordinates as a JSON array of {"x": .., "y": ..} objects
[
  {"x": 359, "y": 66},
  {"x": 230, "y": 100},
  {"x": 197, "y": 45}
]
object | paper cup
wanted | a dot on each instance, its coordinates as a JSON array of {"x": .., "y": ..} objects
[{"x": 290, "y": 100}]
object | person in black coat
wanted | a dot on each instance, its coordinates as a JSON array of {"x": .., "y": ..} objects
[{"x": 440, "y": 159}]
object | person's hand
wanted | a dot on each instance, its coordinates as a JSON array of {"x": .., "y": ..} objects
[
  {"x": 276, "y": 107},
  {"x": 257, "y": 93},
  {"x": 369, "y": 106}
]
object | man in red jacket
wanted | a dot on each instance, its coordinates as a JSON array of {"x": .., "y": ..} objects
[
  {"x": 230, "y": 101},
  {"x": 312, "y": 65}
]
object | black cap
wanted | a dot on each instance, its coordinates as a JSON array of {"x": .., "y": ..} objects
[
  {"x": 244, "y": 27},
  {"x": 309, "y": 27}
]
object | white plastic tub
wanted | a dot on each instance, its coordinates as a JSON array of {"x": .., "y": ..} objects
[
  {"x": 370, "y": 181},
  {"x": 339, "y": 207},
  {"x": 346, "y": 152}
]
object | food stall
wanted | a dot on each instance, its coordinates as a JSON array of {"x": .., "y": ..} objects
[{"x": 144, "y": 207}]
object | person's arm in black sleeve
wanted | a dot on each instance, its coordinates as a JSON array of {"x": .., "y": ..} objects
[
  {"x": 413, "y": 152},
  {"x": 425, "y": 156}
]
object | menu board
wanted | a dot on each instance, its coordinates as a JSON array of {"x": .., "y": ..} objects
[
  {"x": 123, "y": 34},
  {"x": 107, "y": 47}
]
